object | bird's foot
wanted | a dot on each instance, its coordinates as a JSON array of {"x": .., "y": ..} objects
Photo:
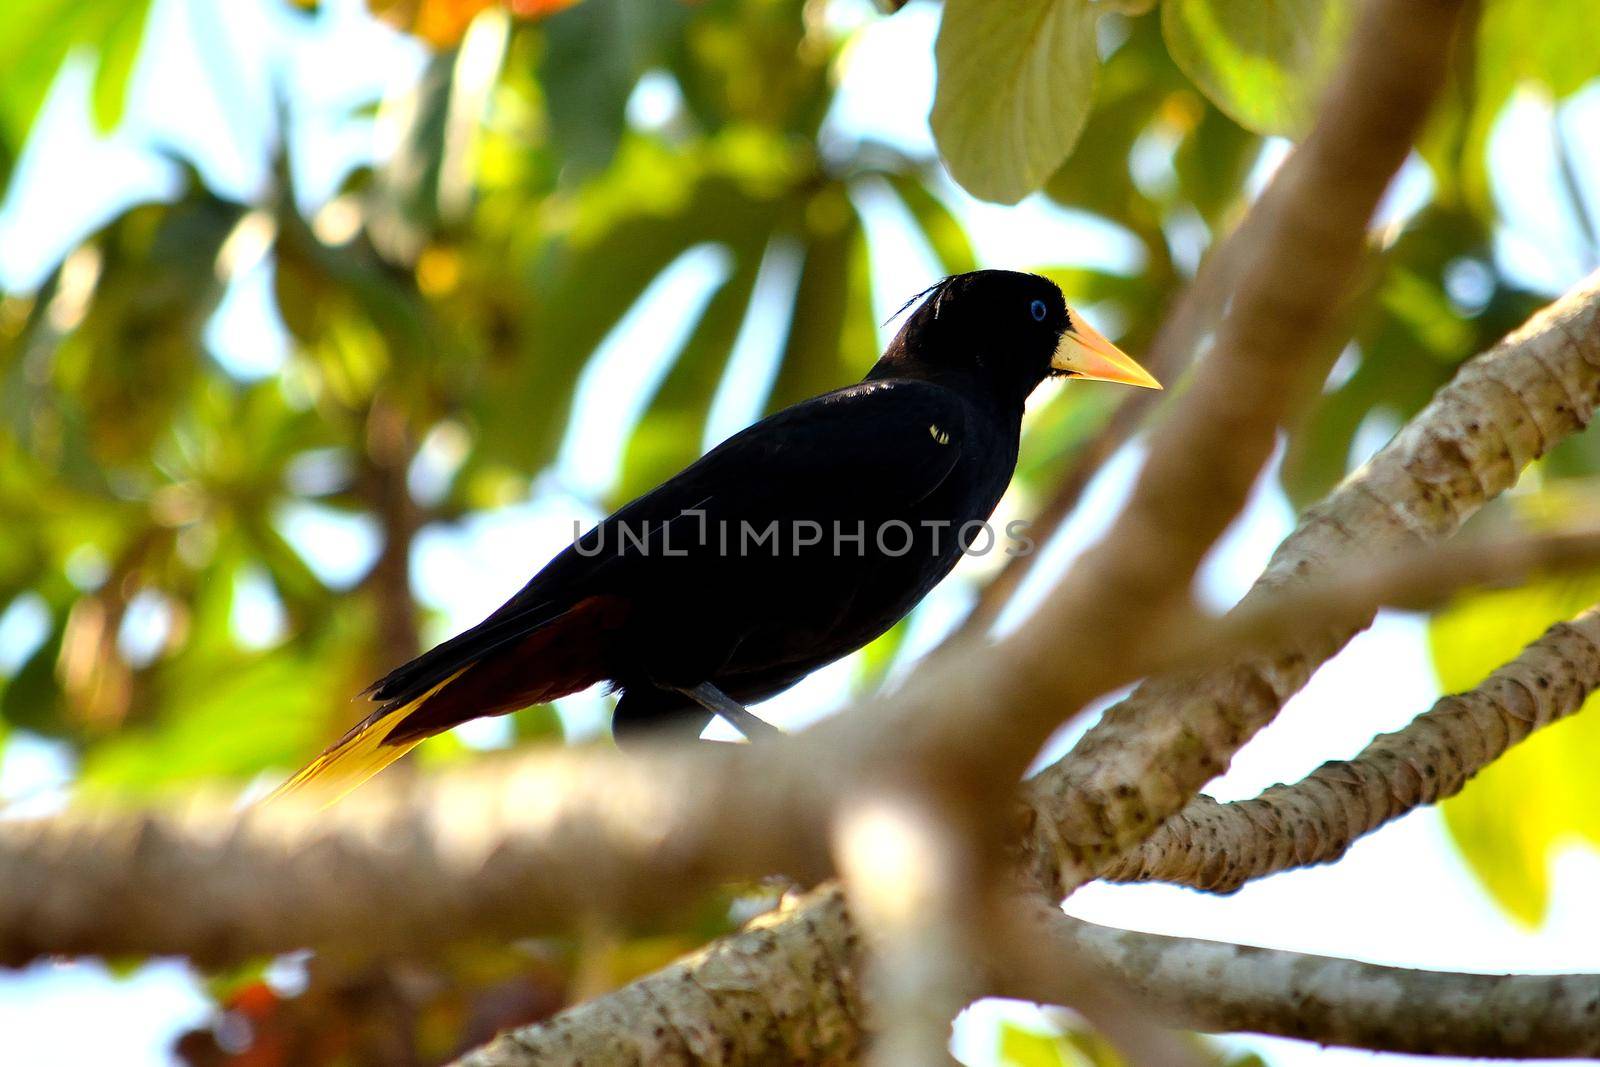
[{"x": 738, "y": 716}]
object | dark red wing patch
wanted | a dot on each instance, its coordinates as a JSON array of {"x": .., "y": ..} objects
[{"x": 563, "y": 656}]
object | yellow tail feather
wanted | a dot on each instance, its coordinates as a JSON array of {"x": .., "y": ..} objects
[{"x": 358, "y": 755}]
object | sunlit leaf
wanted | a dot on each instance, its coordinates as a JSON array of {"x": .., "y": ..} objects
[
  {"x": 39, "y": 36},
  {"x": 832, "y": 340},
  {"x": 1016, "y": 81},
  {"x": 594, "y": 55},
  {"x": 879, "y": 655},
  {"x": 1512, "y": 47},
  {"x": 228, "y": 722},
  {"x": 942, "y": 230},
  {"x": 1513, "y": 817},
  {"x": 1021, "y": 1047},
  {"x": 119, "y": 48},
  {"x": 1264, "y": 62}
]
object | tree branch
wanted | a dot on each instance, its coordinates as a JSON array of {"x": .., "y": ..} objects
[
  {"x": 1218, "y": 987},
  {"x": 1151, "y": 753},
  {"x": 787, "y": 989},
  {"x": 1220, "y": 847},
  {"x": 514, "y": 848}
]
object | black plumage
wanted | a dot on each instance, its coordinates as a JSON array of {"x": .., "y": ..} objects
[{"x": 791, "y": 544}]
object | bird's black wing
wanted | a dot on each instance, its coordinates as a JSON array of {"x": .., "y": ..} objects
[{"x": 871, "y": 449}]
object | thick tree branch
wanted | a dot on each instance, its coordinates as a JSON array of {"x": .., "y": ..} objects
[
  {"x": 1151, "y": 753},
  {"x": 519, "y": 847},
  {"x": 788, "y": 989},
  {"x": 1220, "y": 847},
  {"x": 1217, "y": 987}
]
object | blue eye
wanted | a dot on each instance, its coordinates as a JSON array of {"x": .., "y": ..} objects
[{"x": 1038, "y": 310}]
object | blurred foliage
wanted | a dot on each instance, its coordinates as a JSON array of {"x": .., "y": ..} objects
[
  {"x": 164, "y": 621},
  {"x": 1519, "y": 812},
  {"x": 40, "y": 35},
  {"x": 1063, "y": 1042},
  {"x": 1263, "y": 63}
]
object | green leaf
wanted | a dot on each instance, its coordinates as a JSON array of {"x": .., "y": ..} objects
[
  {"x": 119, "y": 49},
  {"x": 1411, "y": 337},
  {"x": 225, "y": 721},
  {"x": 594, "y": 55},
  {"x": 668, "y": 436},
  {"x": 1138, "y": 87},
  {"x": 1263, "y": 62},
  {"x": 1021, "y": 1047},
  {"x": 38, "y": 37},
  {"x": 35, "y": 41},
  {"x": 1213, "y": 162},
  {"x": 879, "y": 655},
  {"x": 832, "y": 339},
  {"x": 939, "y": 226},
  {"x": 1016, "y": 80},
  {"x": 1513, "y": 817},
  {"x": 620, "y": 254},
  {"x": 1513, "y": 47}
]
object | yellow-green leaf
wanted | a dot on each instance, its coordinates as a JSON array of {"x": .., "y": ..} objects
[
  {"x": 1016, "y": 79},
  {"x": 1519, "y": 810},
  {"x": 1021, "y": 1047},
  {"x": 1263, "y": 62},
  {"x": 119, "y": 48}
]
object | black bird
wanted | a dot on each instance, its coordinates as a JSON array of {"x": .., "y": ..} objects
[{"x": 789, "y": 545}]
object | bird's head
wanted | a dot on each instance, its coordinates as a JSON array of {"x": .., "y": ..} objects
[{"x": 1008, "y": 330}]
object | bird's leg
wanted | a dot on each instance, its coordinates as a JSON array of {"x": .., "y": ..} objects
[{"x": 740, "y": 717}]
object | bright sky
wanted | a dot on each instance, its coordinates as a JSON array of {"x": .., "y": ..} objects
[{"x": 1401, "y": 896}]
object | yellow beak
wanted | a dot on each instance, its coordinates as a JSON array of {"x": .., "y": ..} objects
[{"x": 1085, "y": 353}]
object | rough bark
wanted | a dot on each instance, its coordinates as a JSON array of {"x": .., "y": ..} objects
[
  {"x": 1216, "y": 987},
  {"x": 787, "y": 989},
  {"x": 513, "y": 848},
  {"x": 1151, "y": 753},
  {"x": 1220, "y": 847}
]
